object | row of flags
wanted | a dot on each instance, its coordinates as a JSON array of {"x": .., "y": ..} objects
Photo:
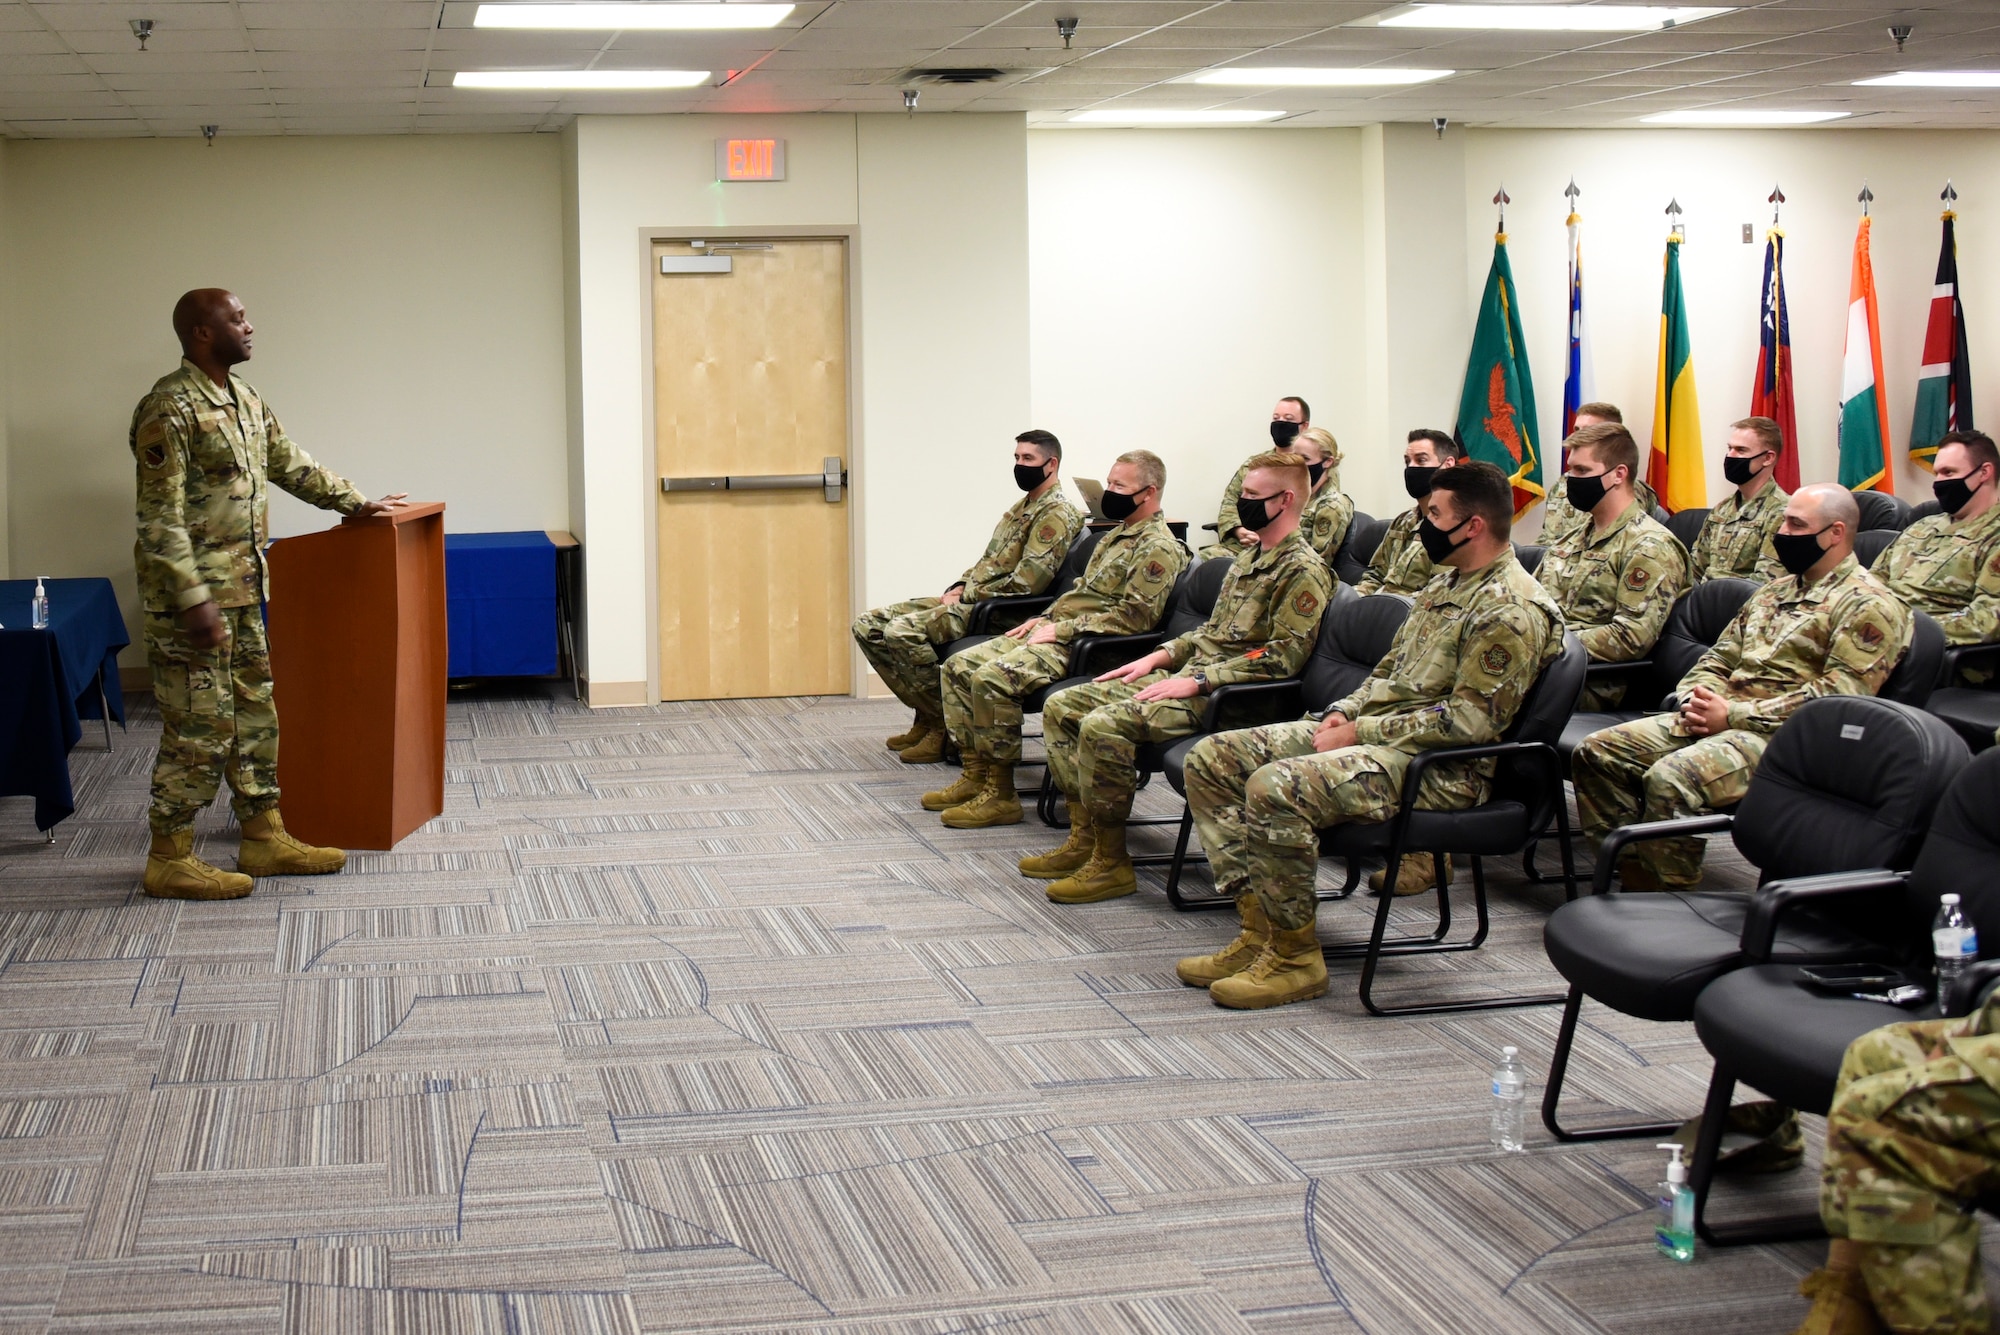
[{"x": 1496, "y": 410}]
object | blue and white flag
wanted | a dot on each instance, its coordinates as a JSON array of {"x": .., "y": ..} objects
[{"x": 1579, "y": 383}]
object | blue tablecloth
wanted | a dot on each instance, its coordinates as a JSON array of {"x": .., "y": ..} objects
[
  {"x": 48, "y": 681},
  {"x": 500, "y": 604}
]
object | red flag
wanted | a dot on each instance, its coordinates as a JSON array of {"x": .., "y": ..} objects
[{"x": 1771, "y": 394}]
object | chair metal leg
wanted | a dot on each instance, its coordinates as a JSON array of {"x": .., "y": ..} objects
[
  {"x": 1178, "y": 863},
  {"x": 1701, "y": 1177},
  {"x": 1559, "y": 1068},
  {"x": 1482, "y": 923}
]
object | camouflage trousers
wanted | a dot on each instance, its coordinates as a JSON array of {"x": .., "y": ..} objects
[
  {"x": 901, "y": 642},
  {"x": 1260, "y": 796},
  {"x": 219, "y": 721},
  {"x": 1913, "y": 1139},
  {"x": 1093, "y": 734},
  {"x": 983, "y": 689},
  {"x": 1645, "y": 770}
]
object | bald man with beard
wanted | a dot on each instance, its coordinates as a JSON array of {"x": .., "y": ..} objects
[
  {"x": 1824, "y": 627},
  {"x": 208, "y": 451}
]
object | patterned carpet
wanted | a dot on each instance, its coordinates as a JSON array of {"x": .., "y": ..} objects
[{"x": 687, "y": 1019}]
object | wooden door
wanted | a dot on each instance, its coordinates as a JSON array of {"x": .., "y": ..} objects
[{"x": 750, "y": 379}]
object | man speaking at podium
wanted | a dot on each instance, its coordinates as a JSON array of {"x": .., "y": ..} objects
[{"x": 208, "y": 449}]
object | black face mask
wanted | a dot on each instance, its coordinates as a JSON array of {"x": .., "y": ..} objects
[
  {"x": 1255, "y": 515},
  {"x": 1953, "y": 493},
  {"x": 1797, "y": 552},
  {"x": 1584, "y": 492},
  {"x": 1437, "y": 541},
  {"x": 1740, "y": 468},
  {"x": 1029, "y": 476},
  {"x": 1417, "y": 481},
  {"x": 1118, "y": 505},
  {"x": 1283, "y": 433},
  {"x": 1315, "y": 472}
]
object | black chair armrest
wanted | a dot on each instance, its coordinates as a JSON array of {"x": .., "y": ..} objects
[
  {"x": 1977, "y": 978},
  {"x": 1235, "y": 699},
  {"x": 1967, "y": 656},
  {"x": 1646, "y": 831},
  {"x": 1770, "y": 902},
  {"x": 1613, "y": 669},
  {"x": 987, "y": 610},
  {"x": 1423, "y": 760},
  {"x": 1090, "y": 655}
]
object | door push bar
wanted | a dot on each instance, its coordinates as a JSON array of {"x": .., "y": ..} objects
[{"x": 832, "y": 477}]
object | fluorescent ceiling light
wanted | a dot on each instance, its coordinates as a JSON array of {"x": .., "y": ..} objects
[
  {"x": 633, "y": 17},
  {"x": 580, "y": 80},
  {"x": 1548, "y": 18},
  {"x": 1934, "y": 79},
  {"x": 1161, "y": 117},
  {"x": 1372, "y": 77},
  {"x": 1745, "y": 117}
]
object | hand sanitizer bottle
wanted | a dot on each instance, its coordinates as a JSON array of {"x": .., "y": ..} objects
[
  {"x": 41, "y": 606},
  {"x": 1674, "y": 1229}
]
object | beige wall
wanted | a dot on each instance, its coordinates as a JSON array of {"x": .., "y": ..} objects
[
  {"x": 6, "y": 355},
  {"x": 1181, "y": 281},
  {"x": 1721, "y": 178},
  {"x": 939, "y": 310},
  {"x": 407, "y": 294}
]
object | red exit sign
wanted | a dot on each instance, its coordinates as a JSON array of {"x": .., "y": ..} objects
[{"x": 749, "y": 159}]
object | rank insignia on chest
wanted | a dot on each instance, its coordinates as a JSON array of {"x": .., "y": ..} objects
[
  {"x": 1496, "y": 659},
  {"x": 1306, "y": 603}
]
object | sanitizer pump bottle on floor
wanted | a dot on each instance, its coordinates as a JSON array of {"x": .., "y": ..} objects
[{"x": 1674, "y": 1229}]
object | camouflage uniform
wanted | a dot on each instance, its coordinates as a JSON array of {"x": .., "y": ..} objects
[
  {"x": 1561, "y": 520},
  {"x": 1455, "y": 676},
  {"x": 1912, "y": 1141},
  {"x": 1735, "y": 541},
  {"x": 1615, "y": 589},
  {"x": 1265, "y": 621},
  {"x": 1400, "y": 563},
  {"x": 1326, "y": 517},
  {"x": 1124, "y": 591},
  {"x": 1788, "y": 645},
  {"x": 207, "y": 456},
  {"x": 1951, "y": 571},
  {"x": 1027, "y": 548},
  {"x": 1227, "y": 521}
]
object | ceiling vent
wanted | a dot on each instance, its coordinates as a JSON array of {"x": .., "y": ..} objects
[{"x": 957, "y": 74}]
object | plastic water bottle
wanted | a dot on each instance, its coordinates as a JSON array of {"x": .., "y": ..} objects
[
  {"x": 1955, "y": 943},
  {"x": 41, "y": 606},
  {"x": 1510, "y": 1101}
]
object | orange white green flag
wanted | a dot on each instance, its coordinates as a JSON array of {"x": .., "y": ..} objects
[{"x": 1864, "y": 410}]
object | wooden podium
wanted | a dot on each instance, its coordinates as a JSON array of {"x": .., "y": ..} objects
[{"x": 357, "y": 626}]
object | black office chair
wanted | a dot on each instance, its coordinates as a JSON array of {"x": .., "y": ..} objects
[
  {"x": 1916, "y": 672},
  {"x": 1188, "y": 609},
  {"x": 1765, "y": 1029},
  {"x": 1687, "y": 525},
  {"x": 1880, "y": 509},
  {"x": 1848, "y": 782},
  {"x": 1972, "y": 710},
  {"x": 1354, "y": 635},
  {"x": 1870, "y": 543},
  {"x": 1529, "y": 557},
  {"x": 1933, "y": 506},
  {"x": 1526, "y": 796},
  {"x": 1364, "y": 535}
]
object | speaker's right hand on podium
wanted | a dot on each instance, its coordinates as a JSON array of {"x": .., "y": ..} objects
[
  {"x": 395, "y": 500},
  {"x": 203, "y": 626}
]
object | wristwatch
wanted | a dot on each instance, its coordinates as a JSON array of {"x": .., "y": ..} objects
[{"x": 1201, "y": 683}]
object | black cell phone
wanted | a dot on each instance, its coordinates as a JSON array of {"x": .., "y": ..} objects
[{"x": 1851, "y": 977}]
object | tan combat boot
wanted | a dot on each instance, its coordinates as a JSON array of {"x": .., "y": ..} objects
[
  {"x": 927, "y": 749},
  {"x": 1108, "y": 874},
  {"x": 997, "y": 803},
  {"x": 1841, "y": 1305},
  {"x": 910, "y": 736},
  {"x": 962, "y": 789},
  {"x": 1635, "y": 875},
  {"x": 1418, "y": 874},
  {"x": 174, "y": 872},
  {"x": 267, "y": 850},
  {"x": 1238, "y": 955},
  {"x": 1071, "y": 856},
  {"x": 1290, "y": 968}
]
